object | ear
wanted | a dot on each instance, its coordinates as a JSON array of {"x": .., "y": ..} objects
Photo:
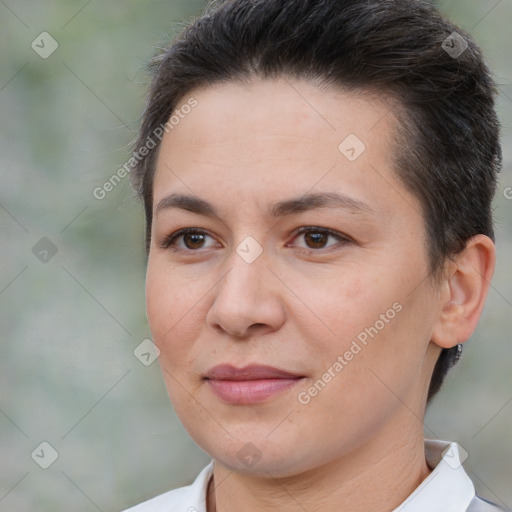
[{"x": 463, "y": 292}]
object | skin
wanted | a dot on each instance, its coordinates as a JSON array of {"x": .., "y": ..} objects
[{"x": 301, "y": 304}]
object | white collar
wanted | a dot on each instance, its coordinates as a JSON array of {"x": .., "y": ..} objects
[{"x": 447, "y": 488}]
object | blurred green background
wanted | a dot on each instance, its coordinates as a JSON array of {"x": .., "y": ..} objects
[{"x": 72, "y": 308}]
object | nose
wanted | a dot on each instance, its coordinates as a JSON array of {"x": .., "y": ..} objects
[{"x": 247, "y": 300}]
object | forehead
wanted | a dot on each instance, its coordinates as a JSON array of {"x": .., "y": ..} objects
[
  {"x": 231, "y": 112},
  {"x": 269, "y": 139}
]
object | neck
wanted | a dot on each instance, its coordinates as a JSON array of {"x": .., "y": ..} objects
[{"x": 378, "y": 476}]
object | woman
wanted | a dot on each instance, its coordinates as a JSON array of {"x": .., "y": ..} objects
[{"x": 317, "y": 179}]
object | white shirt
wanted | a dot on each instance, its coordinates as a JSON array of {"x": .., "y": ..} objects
[{"x": 448, "y": 488}]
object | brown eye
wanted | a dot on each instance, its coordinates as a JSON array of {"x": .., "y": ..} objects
[
  {"x": 318, "y": 238},
  {"x": 315, "y": 239},
  {"x": 191, "y": 239}
]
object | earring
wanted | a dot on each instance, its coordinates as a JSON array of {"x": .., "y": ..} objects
[{"x": 456, "y": 356}]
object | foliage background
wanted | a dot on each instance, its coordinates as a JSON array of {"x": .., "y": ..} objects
[{"x": 69, "y": 326}]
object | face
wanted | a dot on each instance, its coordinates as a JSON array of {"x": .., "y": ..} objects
[{"x": 294, "y": 321}]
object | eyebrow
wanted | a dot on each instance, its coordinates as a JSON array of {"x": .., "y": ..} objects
[{"x": 306, "y": 202}]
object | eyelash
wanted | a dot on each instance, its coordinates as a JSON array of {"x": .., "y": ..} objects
[{"x": 169, "y": 241}]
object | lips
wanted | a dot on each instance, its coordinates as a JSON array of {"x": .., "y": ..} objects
[
  {"x": 251, "y": 384},
  {"x": 252, "y": 372}
]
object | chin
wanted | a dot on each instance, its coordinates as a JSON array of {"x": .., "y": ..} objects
[{"x": 256, "y": 455}]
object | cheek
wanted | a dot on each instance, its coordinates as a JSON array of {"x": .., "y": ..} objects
[
  {"x": 159, "y": 304},
  {"x": 173, "y": 308},
  {"x": 174, "y": 318},
  {"x": 336, "y": 304},
  {"x": 366, "y": 317}
]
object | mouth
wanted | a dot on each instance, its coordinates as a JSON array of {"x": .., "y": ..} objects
[{"x": 248, "y": 385}]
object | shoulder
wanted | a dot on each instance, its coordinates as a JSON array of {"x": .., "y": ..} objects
[
  {"x": 480, "y": 505},
  {"x": 191, "y": 498}
]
